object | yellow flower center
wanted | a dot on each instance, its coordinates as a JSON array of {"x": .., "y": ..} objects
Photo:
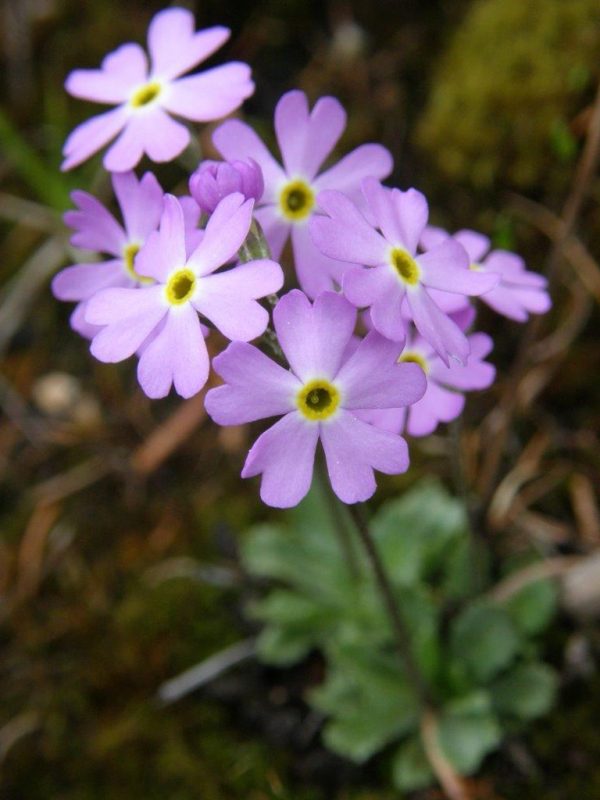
[
  {"x": 475, "y": 267},
  {"x": 318, "y": 399},
  {"x": 180, "y": 287},
  {"x": 296, "y": 200},
  {"x": 414, "y": 358},
  {"x": 405, "y": 265},
  {"x": 145, "y": 94},
  {"x": 130, "y": 251}
]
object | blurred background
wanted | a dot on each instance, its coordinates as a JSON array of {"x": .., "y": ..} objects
[{"x": 119, "y": 517}]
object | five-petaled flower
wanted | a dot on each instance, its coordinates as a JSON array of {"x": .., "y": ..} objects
[
  {"x": 161, "y": 321},
  {"x": 393, "y": 277},
  {"x": 306, "y": 138},
  {"x": 146, "y": 96},
  {"x": 518, "y": 293},
  {"x": 317, "y": 399},
  {"x": 97, "y": 230},
  {"x": 443, "y": 400}
]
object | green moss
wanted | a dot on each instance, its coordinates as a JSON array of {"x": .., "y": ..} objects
[{"x": 507, "y": 88}]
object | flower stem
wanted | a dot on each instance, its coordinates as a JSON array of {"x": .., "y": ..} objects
[
  {"x": 399, "y": 626},
  {"x": 255, "y": 245},
  {"x": 339, "y": 518}
]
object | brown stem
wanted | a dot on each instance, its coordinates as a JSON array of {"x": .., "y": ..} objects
[{"x": 453, "y": 785}]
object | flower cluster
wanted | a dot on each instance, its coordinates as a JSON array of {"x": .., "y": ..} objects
[{"x": 178, "y": 267}]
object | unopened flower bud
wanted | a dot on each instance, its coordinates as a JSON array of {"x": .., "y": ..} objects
[{"x": 214, "y": 180}]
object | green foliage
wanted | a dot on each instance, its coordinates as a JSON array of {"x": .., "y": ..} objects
[{"x": 480, "y": 667}]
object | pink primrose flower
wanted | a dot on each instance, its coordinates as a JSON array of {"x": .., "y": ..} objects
[
  {"x": 161, "y": 321},
  {"x": 97, "y": 230},
  {"x": 306, "y": 138},
  {"x": 316, "y": 399},
  {"x": 393, "y": 277},
  {"x": 443, "y": 400},
  {"x": 146, "y": 96},
  {"x": 518, "y": 292}
]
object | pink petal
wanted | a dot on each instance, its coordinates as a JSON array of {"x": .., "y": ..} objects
[
  {"x": 164, "y": 138},
  {"x": 353, "y": 449},
  {"x": 256, "y": 387},
  {"x": 210, "y": 95},
  {"x": 79, "y": 325},
  {"x": 129, "y": 315},
  {"x": 225, "y": 233},
  {"x": 383, "y": 206},
  {"x": 446, "y": 267},
  {"x": 127, "y": 151},
  {"x": 306, "y": 139},
  {"x": 372, "y": 378},
  {"x": 164, "y": 250},
  {"x": 476, "y": 244},
  {"x": 95, "y": 227},
  {"x": 438, "y": 405},
  {"x": 378, "y": 289},
  {"x": 347, "y": 174},
  {"x": 345, "y": 234},
  {"x": 92, "y": 135},
  {"x": 285, "y": 455},
  {"x": 177, "y": 355},
  {"x": 121, "y": 71},
  {"x": 236, "y": 140},
  {"x": 314, "y": 337},
  {"x": 432, "y": 236},
  {"x": 476, "y": 374},
  {"x": 412, "y": 212},
  {"x": 316, "y": 272},
  {"x": 175, "y": 47},
  {"x": 141, "y": 203},
  {"x": 82, "y": 281},
  {"x": 228, "y": 299},
  {"x": 515, "y": 303},
  {"x": 442, "y": 334}
]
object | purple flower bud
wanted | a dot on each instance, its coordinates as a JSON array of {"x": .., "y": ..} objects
[{"x": 214, "y": 180}]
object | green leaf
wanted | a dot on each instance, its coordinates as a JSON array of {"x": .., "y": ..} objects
[
  {"x": 468, "y": 734},
  {"x": 308, "y": 562},
  {"x": 369, "y": 700},
  {"x": 414, "y": 531},
  {"x": 533, "y": 608},
  {"x": 282, "y": 647},
  {"x": 485, "y": 639},
  {"x": 527, "y": 692},
  {"x": 410, "y": 767},
  {"x": 45, "y": 181}
]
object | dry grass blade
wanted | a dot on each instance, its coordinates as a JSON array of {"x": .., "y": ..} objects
[
  {"x": 167, "y": 437},
  {"x": 453, "y": 785}
]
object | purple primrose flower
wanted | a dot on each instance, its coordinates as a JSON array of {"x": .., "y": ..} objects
[
  {"x": 144, "y": 97},
  {"x": 306, "y": 138},
  {"x": 317, "y": 399},
  {"x": 161, "y": 321},
  {"x": 97, "y": 230},
  {"x": 518, "y": 292},
  {"x": 214, "y": 180},
  {"x": 443, "y": 400},
  {"x": 393, "y": 276}
]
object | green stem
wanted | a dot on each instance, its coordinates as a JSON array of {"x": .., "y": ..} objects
[
  {"x": 399, "y": 626},
  {"x": 255, "y": 245}
]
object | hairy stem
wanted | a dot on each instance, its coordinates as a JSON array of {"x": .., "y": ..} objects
[{"x": 399, "y": 626}]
